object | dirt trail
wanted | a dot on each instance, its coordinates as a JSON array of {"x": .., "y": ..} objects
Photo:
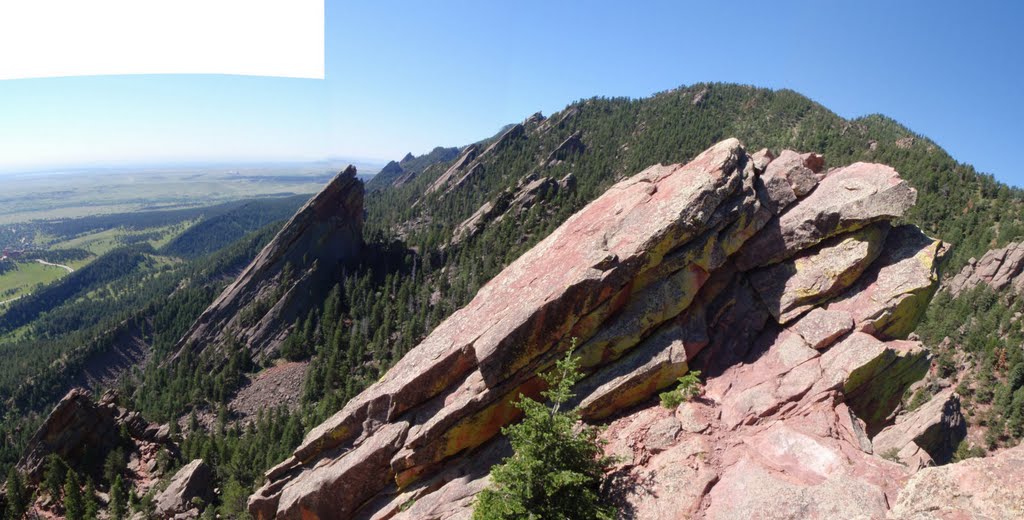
[
  {"x": 5, "y": 302},
  {"x": 66, "y": 268}
]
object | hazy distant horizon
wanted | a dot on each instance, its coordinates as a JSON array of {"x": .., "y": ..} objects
[{"x": 362, "y": 164}]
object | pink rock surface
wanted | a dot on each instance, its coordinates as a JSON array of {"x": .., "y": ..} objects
[
  {"x": 990, "y": 488},
  {"x": 656, "y": 277}
]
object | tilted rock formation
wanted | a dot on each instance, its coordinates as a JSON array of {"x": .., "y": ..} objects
[
  {"x": 469, "y": 165},
  {"x": 461, "y": 164},
  {"x": 391, "y": 172},
  {"x": 82, "y": 432},
  {"x": 998, "y": 268},
  {"x": 399, "y": 173},
  {"x": 261, "y": 305},
  {"x": 795, "y": 311},
  {"x": 571, "y": 146},
  {"x": 511, "y": 202}
]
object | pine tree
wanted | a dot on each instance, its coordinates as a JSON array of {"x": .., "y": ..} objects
[
  {"x": 114, "y": 465},
  {"x": 558, "y": 467},
  {"x": 90, "y": 505},
  {"x": 74, "y": 507},
  {"x": 118, "y": 498},
  {"x": 54, "y": 476},
  {"x": 17, "y": 496}
]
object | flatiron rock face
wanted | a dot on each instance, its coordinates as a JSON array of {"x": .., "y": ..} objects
[
  {"x": 793, "y": 297},
  {"x": 998, "y": 268},
  {"x": 261, "y": 305}
]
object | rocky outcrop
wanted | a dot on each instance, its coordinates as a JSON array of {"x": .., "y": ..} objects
[
  {"x": 177, "y": 500},
  {"x": 509, "y": 204},
  {"x": 399, "y": 173},
  {"x": 390, "y": 173},
  {"x": 990, "y": 488},
  {"x": 795, "y": 310},
  {"x": 259, "y": 308},
  {"x": 573, "y": 145},
  {"x": 998, "y": 269},
  {"x": 927, "y": 436},
  {"x": 461, "y": 164},
  {"x": 82, "y": 432},
  {"x": 470, "y": 165}
]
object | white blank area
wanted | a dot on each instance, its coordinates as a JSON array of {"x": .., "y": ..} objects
[{"x": 49, "y": 38}]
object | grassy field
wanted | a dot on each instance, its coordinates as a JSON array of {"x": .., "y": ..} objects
[
  {"x": 22, "y": 281},
  {"x": 104, "y": 241}
]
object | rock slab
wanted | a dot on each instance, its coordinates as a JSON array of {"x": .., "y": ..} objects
[{"x": 701, "y": 265}]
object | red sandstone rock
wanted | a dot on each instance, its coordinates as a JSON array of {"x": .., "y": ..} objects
[
  {"x": 846, "y": 200},
  {"x": 989, "y": 488},
  {"x": 655, "y": 277}
]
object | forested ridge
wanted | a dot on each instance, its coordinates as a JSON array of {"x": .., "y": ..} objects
[{"x": 412, "y": 275}]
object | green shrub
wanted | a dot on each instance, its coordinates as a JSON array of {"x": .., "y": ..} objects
[
  {"x": 557, "y": 468},
  {"x": 689, "y": 387},
  {"x": 965, "y": 450},
  {"x": 892, "y": 454}
]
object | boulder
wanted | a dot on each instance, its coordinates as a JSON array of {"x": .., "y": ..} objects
[
  {"x": 927, "y": 436},
  {"x": 787, "y": 178},
  {"x": 760, "y": 159},
  {"x": 192, "y": 481}
]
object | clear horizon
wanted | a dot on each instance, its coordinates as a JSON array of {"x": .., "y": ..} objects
[{"x": 408, "y": 77}]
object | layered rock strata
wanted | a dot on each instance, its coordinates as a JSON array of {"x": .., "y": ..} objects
[{"x": 788, "y": 287}]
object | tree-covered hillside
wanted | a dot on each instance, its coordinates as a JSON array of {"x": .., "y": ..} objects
[{"x": 622, "y": 136}]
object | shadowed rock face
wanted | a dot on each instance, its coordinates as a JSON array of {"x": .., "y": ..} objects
[
  {"x": 791, "y": 300},
  {"x": 926, "y": 436},
  {"x": 262, "y": 304},
  {"x": 83, "y": 432}
]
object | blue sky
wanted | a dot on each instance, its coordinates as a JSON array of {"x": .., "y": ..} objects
[{"x": 406, "y": 76}]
